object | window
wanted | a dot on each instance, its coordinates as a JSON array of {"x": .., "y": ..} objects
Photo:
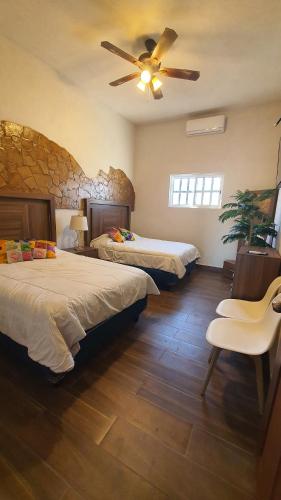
[{"x": 196, "y": 190}]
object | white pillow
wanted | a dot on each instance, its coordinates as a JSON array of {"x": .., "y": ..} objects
[{"x": 100, "y": 241}]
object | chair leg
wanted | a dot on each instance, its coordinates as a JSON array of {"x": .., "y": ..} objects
[
  {"x": 211, "y": 355},
  {"x": 260, "y": 382},
  {"x": 214, "y": 357}
]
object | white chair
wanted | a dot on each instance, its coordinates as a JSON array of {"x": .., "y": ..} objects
[
  {"x": 246, "y": 310},
  {"x": 245, "y": 337}
]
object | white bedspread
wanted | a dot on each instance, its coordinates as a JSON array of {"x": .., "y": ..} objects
[
  {"x": 46, "y": 305},
  {"x": 170, "y": 256}
]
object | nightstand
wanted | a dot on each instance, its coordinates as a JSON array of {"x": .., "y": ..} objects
[
  {"x": 86, "y": 251},
  {"x": 254, "y": 272}
]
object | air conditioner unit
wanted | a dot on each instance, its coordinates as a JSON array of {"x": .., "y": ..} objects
[{"x": 208, "y": 125}]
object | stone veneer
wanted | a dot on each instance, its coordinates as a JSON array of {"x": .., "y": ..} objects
[{"x": 31, "y": 163}]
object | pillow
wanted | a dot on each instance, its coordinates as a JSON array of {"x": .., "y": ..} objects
[
  {"x": 101, "y": 240},
  {"x": 51, "y": 249},
  {"x": 115, "y": 235},
  {"x": 32, "y": 244},
  {"x": 40, "y": 249},
  {"x": 18, "y": 251},
  {"x": 14, "y": 251},
  {"x": 26, "y": 250},
  {"x": 41, "y": 244},
  {"x": 127, "y": 235},
  {"x": 44, "y": 249},
  {"x": 39, "y": 253},
  {"x": 14, "y": 255},
  {"x": 3, "y": 252},
  {"x": 13, "y": 245}
]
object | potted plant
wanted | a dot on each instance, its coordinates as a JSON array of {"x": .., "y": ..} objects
[{"x": 251, "y": 226}]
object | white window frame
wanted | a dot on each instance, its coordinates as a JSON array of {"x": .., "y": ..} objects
[{"x": 196, "y": 176}]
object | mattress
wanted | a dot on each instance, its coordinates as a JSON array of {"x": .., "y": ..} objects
[
  {"x": 46, "y": 305},
  {"x": 169, "y": 256}
]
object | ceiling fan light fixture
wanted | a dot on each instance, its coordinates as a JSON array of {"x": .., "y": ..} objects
[
  {"x": 141, "y": 86},
  {"x": 150, "y": 63},
  {"x": 156, "y": 83},
  {"x": 145, "y": 76}
]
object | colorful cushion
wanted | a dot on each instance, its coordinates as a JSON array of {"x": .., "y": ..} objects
[
  {"x": 13, "y": 251},
  {"x": 10, "y": 251},
  {"x": 26, "y": 250},
  {"x": 39, "y": 253},
  {"x": 18, "y": 251},
  {"x": 14, "y": 255},
  {"x": 44, "y": 249},
  {"x": 3, "y": 252},
  {"x": 41, "y": 244},
  {"x": 127, "y": 235},
  {"x": 13, "y": 245},
  {"x": 51, "y": 249},
  {"x": 115, "y": 235},
  {"x": 32, "y": 244}
]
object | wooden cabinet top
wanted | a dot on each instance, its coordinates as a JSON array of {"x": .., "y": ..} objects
[
  {"x": 270, "y": 252},
  {"x": 86, "y": 251}
]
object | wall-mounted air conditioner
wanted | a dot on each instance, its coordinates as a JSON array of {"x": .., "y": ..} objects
[{"x": 208, "y": 125}]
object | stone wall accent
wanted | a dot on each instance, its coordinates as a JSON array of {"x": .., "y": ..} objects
[{"x": 31, "y": 163}]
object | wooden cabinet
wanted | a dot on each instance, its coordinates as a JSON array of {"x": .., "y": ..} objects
[
  {"x": 254, "y": 273},
  {"x": 86, "y": 251},
  {"x": 228, "y": 269}
]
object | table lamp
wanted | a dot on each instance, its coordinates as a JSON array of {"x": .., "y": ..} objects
[{"x": 78, "y": 223}]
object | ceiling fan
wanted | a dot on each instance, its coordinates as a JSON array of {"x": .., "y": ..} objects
[{"x": 149, "y": 63}]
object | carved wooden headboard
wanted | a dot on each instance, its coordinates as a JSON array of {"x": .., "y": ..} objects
[
  {"x": 26, "y": 216},
  {"x": 102, "y": 215}
]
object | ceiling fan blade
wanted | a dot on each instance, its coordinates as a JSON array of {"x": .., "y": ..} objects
[
  {"x": 125, "y": 79},
  {"x": 157, "y": 94},
  {"x": 119, "y": 52},
  {"x": 165, "y": 41},
  {"x": 185, "y": 74}
]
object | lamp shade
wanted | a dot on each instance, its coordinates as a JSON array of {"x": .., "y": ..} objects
[{"x": 78, "y": 223}]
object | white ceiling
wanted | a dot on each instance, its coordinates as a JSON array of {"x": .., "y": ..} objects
[{"x": 236, "y": 45}]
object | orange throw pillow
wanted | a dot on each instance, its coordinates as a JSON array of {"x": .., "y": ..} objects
[{"x": 115, "y": 235}]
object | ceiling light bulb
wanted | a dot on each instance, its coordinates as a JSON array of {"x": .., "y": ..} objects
[
  {"x": 156, "y": 83},
  {"x": 145, "y": 76},
  {"x": 141, "y": 86}
]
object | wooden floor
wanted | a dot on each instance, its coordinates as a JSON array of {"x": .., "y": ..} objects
[{"x": 131, "y": 425}]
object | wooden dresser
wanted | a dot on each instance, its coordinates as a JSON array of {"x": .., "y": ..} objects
[{"x": 254, "y": 273}]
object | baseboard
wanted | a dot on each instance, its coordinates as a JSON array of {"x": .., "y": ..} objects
[{"x": 213, "y": 269}]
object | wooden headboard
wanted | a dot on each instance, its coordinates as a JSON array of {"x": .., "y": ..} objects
[
  {"x": 102, "y": 215},
  {"x": 26, "y": 216}
]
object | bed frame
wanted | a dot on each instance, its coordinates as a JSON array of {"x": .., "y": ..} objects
[
  {"x": 102, "y": 215},
  {"x": 27, "y": 216}
]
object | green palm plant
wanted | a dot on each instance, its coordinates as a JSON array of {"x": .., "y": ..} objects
[{"x": 251, "y": 225}]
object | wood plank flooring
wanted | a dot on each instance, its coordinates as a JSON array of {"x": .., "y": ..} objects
[{"x": 130, "y": 424}]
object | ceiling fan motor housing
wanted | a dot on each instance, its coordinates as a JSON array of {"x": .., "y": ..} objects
[
  {"x": 152, "y": 65},
  {"x": 150, "y": 45}
]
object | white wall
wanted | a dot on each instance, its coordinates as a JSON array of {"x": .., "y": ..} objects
[
  {"x": 33, "y": 94},
  {"x": 246, "y": 154}
]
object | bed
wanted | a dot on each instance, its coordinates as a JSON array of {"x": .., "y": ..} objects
[
  {"x": 166, "y": 262},
  {"x": 51, "y": 306}
]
